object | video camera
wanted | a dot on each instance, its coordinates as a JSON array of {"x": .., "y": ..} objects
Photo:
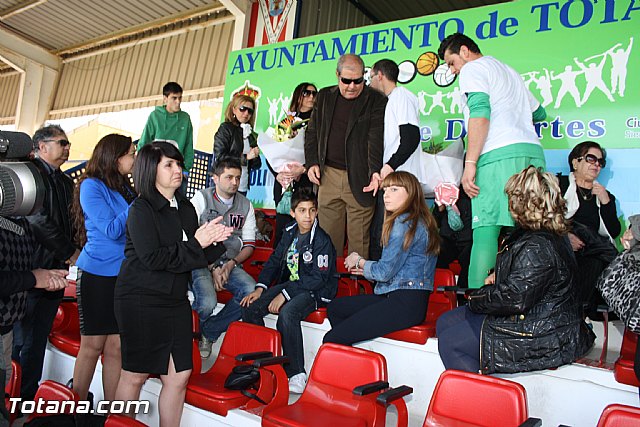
[{"x": 21, "y": 185}]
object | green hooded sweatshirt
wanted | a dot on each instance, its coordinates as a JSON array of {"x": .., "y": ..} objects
[{"x": 175, "y": 126}]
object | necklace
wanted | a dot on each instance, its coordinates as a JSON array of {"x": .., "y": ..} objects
[{"x": 585, "y": 194}]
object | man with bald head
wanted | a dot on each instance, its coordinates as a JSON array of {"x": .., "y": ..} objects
[{"x": 343, "y": 153}]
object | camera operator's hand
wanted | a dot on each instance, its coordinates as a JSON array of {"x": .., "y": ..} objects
[
  {"x": 73, "y": 258},
  {"x": 51, "y": 280}
]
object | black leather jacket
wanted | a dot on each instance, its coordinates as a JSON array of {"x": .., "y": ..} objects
[
  {"x": 228, "y": 141},
  {"x": 533, "y": 319},
  {"x": 52, "y": 226}
]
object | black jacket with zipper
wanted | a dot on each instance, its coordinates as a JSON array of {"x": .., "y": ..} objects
[{"x": 533, "y": 320}]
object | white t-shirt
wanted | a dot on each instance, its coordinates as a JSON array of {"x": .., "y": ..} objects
[
  {"x": 512, "y": 105},
  {"x": 402, "y": 109}
]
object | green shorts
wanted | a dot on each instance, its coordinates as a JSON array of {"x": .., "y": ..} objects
[{"x": 494, "y": 168}]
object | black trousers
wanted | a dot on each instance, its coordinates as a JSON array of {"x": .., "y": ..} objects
[{"x": 364, "y": 317}]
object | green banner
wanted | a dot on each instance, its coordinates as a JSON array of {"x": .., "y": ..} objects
[{"x": 576, "y": 56}]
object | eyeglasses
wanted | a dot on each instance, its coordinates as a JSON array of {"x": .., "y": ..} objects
[
  {"x": 347, "y": 82},
  {"x": 592, "y": 160},
  {"x": 244, "y": 108},
  {"x": 61, "y": 142},
  {"x": 308, "y": 92}
]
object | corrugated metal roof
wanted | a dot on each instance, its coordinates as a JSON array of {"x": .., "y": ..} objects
[
  {"x": 60, "y": 24},
  {"x": 324, "y": 16},
  {"x": 9, "y": 88},
  {"x": 132, "y": 77}
]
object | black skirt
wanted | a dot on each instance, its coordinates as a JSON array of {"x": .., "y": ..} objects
[
  {"x": 95, "y": 304},
  {"x": 154, "y": 326}
]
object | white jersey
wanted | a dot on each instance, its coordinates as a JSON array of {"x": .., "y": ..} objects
[
  {"x": 402, "y": 109},
  {"x": 512, "y": 105}
]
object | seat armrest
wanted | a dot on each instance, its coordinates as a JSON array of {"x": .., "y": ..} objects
[
  {"x": 385, "y": 399},
  {"x": 363, "y": 389},
  {"x": 268, "y": 361},
  {"x": 532, "y": 422},
  {"x": 244, "y": 357}
]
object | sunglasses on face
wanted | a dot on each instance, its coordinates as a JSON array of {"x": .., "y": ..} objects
[
  {"x": 61, "y": 142},
  {"x": 244, "y": 108},
  {"x": 347, "y": 82},
  {"x": 592, "y": 160},
  {"x": 308, "y": 92}
]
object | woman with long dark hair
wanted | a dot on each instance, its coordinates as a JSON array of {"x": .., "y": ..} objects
[
  {"x": 302, "y": 102},
  {"x": 164, "y": 243},
  {"x": 403, "y": 275},
  {"x": 100, "y": 207}
]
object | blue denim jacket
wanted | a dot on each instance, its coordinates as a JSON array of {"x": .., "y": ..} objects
[{"x": 400, "y": 269}]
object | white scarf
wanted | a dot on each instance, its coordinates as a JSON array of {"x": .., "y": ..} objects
[{"x": 573, "y": 203}]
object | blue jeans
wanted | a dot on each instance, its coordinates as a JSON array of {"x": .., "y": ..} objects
[
  {"x": 240, "y": 284},
  {"x": 289, "y": 318},
  {"x": 31, "y": 335},
  {"x": 205, "y": 298}
]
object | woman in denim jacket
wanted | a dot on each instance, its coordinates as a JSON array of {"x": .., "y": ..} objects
[{"x": 403, "y": 275}]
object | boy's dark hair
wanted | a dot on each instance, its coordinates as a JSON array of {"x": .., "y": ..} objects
[
  {"x": 145, "y": 167},
  {"x": 225, "y": 162},
  {"x": 388, "y": 68},
  {"x": 171, "y": 87},
  {"x": 454, "y": 42},
  {"x": 303, "y": 195}
]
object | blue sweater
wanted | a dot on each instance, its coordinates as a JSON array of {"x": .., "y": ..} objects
[{"x": 105, "y": 219}]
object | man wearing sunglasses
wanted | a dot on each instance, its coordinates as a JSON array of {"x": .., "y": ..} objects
[
  {"x": 54, "y": 249},
  {"x": 169, "y": 122},
  {"x": 343, "y": 153}
]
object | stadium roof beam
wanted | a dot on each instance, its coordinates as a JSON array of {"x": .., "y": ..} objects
[
  {"x": 241, "y": 9},
  {"x": 38, "y": 70}
]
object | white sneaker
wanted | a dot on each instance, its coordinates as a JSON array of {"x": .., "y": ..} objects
[
  {"x": 297, "y": 383},
  {"x": 205, "y": 347}
]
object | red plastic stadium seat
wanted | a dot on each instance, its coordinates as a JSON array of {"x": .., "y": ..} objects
[
  {"x": 65, "y": 333},
  {"x": 115, "y": 420},
  {"x": 466, "y": 399},
  {"x": 253, "y": 265},
  {"x": 270, "y": 217},
  {"x": 51, "y": 391},
  {"x": 328, "y": 399},
  {"x": 623, "y": 368},
  {"x": 617, "y": 415},
  {"x": 346, "y": 287},
  {"x": 224, "y": 296},
  {"x": 12, "y": 388},
  {"x": 439, "y": 302},
  {"x": 455, "y": 267},
  {"x": 207, "y": 391}
]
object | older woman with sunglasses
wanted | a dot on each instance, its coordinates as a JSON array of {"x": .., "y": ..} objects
[
  {"x": 302, "y": 102},
  {"x": 235, "y": 137},
  {"x": 595, "y": 222}
]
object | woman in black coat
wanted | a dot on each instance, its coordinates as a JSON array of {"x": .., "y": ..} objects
[
  {"x": 235, "y": 138},
  {"x": 528, "y": 317},
  {"x": 163, "y": 245}
]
